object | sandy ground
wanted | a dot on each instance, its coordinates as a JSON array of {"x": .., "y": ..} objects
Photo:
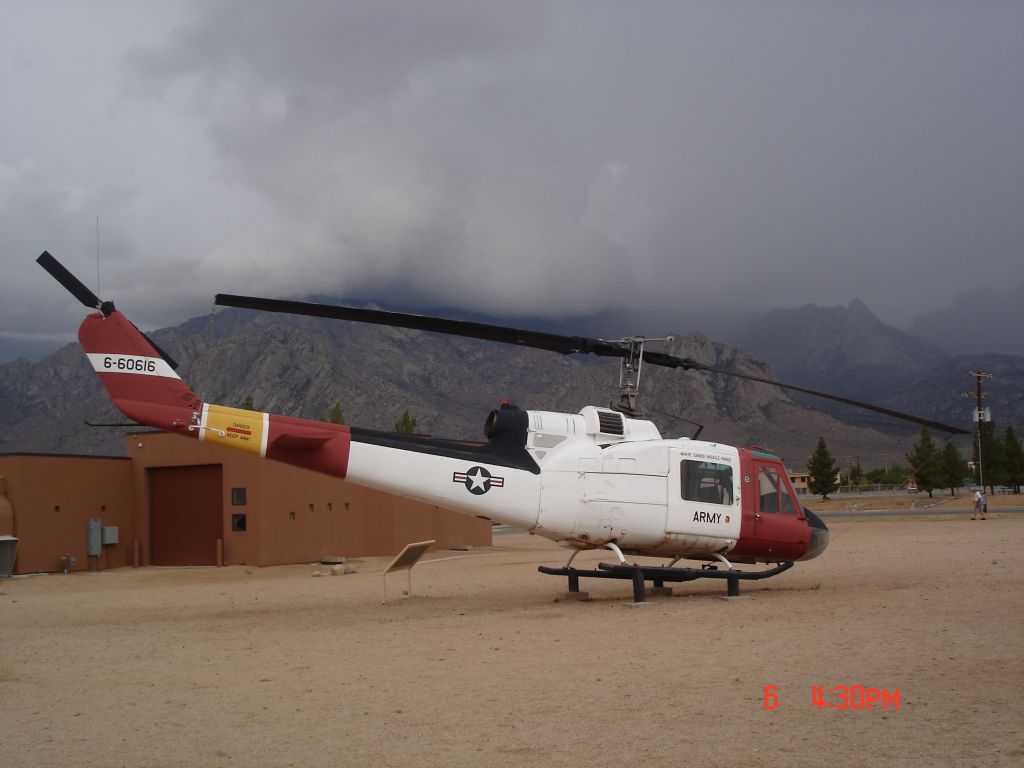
[{"x": 484, "y": 665}]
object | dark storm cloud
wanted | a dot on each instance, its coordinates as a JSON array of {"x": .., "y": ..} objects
[
  {"x": 351, "y": 52},
  {"x": 552, "y": 158}
]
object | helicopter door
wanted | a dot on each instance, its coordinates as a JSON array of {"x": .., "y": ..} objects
[
  {"x": 704, "y": 504},
  {"x": 779, "y": 525}
]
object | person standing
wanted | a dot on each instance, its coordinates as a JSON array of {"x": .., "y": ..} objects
[{"x": 977, "y": 504}]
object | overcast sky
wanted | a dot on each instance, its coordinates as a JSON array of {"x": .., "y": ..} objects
[{"x": 517, "y": 158}]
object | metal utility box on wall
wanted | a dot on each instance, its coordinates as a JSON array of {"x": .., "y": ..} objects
[
  {"x": 110, "y": 534},
  {"x": 6, "y": 510},
  {"x": 94, "y": 540},
  {"x": 8, "y": 551}
]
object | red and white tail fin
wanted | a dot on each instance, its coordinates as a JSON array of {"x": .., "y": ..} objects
[
  {"x": 141, "y": 383},
  {"x": 144, "y": 387}
]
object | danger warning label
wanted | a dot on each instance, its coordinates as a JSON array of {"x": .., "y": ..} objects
[{"x": 234, "y": 427}]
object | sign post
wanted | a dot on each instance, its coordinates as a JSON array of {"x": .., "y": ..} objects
[{"x": 404, "y": 561}]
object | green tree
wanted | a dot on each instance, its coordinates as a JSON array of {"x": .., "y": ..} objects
[
  {"x": 248, "y": 403},
  {"x": 405, "y": 425},
  {"x": 954, "y": 468},
  {"x": 891, "y": 475},
  {"x": 895, "y": 475},
  {"x": 926, "y": 463},
  {"x": 336, "y": 416},
  {"x": 822, "y": 470},
  {"x": 999, "y": 463},
  {"x": 1013, "y": 458}
]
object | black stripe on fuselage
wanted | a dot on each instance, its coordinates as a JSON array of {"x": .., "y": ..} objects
[{"x": 501, "y": 452}]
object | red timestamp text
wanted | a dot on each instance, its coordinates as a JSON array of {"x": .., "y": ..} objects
[{"x": 841, "y": 697}]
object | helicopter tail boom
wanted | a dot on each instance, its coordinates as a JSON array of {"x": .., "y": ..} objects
[{"x": 145, "y": 388}]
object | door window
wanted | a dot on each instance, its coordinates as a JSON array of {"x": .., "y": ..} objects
[{"x": 706, "y": 481}]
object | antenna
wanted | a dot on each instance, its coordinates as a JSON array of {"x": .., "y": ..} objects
[{"x": 98, "y": 255}]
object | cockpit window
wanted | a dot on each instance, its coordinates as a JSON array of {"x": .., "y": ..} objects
[
  {"x": 706, "y": 481},
  {"x": 774, "y": 494}
]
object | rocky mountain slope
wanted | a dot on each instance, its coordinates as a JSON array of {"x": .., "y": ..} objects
[{"x": 847, "y": 350}]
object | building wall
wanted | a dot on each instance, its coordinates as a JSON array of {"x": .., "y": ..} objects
[{"x": 53, "y": 499}]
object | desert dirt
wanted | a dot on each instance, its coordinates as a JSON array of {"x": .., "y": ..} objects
[{"x": 486, "y": 663}]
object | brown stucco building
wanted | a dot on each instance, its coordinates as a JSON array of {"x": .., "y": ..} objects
[{"x": 176, "y": 501}]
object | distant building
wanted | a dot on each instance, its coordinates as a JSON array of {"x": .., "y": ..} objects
[
  {"x": 799, "y": 481},
  {"x": 177, "y": 501}
]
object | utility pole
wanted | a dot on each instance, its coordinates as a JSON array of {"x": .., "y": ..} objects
[
  {"x": 980, "y": 415},
  {"x": 849, "y": 472}
]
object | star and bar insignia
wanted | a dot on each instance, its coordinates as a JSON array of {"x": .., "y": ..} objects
[{"x": 478, "y": 480}]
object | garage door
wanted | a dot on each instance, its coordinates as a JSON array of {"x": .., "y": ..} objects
[{"x": 186, "y": 515}]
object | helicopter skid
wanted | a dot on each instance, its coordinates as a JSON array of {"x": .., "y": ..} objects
[{"x": 659, "y": 574}]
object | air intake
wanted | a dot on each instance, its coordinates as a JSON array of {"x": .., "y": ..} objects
[{"x": 611, "y": 423}]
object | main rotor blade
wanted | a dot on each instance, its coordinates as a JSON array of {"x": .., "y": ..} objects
[
  {"x": 550, "y": 341},
  {"x": 688, "y": 364}
]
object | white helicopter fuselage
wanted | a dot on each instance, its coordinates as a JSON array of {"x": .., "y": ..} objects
[{"x": 599, "y": 478}]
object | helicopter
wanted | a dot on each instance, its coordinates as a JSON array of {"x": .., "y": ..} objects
[{"x": 603, "y": 478}]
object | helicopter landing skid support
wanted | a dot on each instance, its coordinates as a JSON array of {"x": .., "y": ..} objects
[{"x": 659, "y": 574}]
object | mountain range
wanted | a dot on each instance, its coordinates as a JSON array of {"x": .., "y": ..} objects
[{"x": 303, "y": 366}]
